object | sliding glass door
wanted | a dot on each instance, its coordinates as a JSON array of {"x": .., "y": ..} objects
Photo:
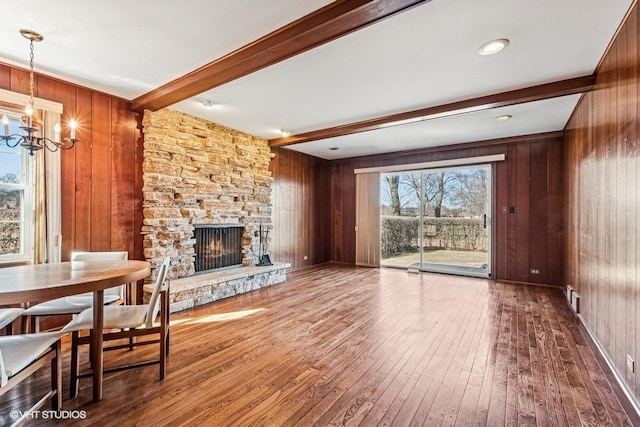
[
  {"x": 437, "y": 220},
  {"x": 400, "y": 214}
]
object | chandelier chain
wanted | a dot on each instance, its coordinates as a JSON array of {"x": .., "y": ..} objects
[{"x": 31, "y": 56}]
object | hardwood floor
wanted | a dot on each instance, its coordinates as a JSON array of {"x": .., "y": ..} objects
[{"x": 340, "y": 345}]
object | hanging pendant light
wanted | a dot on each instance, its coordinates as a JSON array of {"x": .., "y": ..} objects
[{"x": 31, "y": 125}]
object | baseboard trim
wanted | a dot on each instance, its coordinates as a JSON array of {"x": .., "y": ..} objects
[
  {"x": 517, "y": 282},
  {"x": 624, "y": 395}
]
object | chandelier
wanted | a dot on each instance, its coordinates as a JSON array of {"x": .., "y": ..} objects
[{"x": 29, "y": 138}]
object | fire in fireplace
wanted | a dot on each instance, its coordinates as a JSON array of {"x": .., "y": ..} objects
[{"x": 218, "y": 246}]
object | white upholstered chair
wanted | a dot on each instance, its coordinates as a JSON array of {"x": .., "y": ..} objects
[
  {"x": 77, "y": 303},
  {"x": 23, "y": 354},
  {"x": 128, "y": 321},
  {"x": 7, "y": 316}
]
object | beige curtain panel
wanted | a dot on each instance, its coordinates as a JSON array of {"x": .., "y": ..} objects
[
  {"x": 47, "y": 220},
  {"x": 368, "y": 219}
]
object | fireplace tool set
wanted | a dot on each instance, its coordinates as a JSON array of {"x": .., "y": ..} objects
[{"x": 263, "y": 256}]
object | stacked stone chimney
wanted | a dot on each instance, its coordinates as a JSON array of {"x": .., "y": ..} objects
[{"x": 198, "y": 172}]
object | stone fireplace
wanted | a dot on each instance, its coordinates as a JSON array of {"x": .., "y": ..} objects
[{"x": 197, "y": 174}]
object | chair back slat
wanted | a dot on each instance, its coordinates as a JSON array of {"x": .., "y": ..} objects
[
  {"x": 161, "y": 284},
  {"x": 99, "y": 256},
  {"x": 103, "y": 256}
]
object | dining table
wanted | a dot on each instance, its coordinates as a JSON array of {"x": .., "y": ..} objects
[{"x": 42, "y": 282}]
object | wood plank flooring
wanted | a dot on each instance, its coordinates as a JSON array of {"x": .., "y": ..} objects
[{"x": 341, "y": 345}]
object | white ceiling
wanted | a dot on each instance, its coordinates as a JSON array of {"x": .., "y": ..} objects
[
  {"x": 423, "y": 57},
  {"x": 534, "y": 117},
  {"x": 127, "y": 48}
]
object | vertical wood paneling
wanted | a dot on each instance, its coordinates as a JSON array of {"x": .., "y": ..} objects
[
  {"x": 68, "y": 182},
  {"x": 20, "y": 81},
  {"x": 5, "y": 77},
  {"x": 601, "y": 170},
  {"x": 520, "y": 181},
  {"x": 300, "y": 207},
  {"x": 340, "y": 236},
  {"x": 83, "y": 178},
  {"x": 619, "y": 315},
  {"x": 509, "y": 248},
  {"x": 499, "y": 218},
  {"x": 632, "y": 255},
  {"x": 123, "y": 182},
  {"x": 521, "y": 240},
  {"x": 101, "y": 167},
  {"x": 539, "y": 210},
  {"x": 555, "y": 214},
  {"x": 101, "y": 194}
]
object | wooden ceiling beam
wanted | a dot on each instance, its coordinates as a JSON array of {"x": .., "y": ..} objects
[
  {"x": 333, "y": 21},
  {"x": 503, "y": 99}
]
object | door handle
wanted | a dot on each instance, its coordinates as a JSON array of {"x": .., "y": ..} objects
[{"x": 484, "y": 220}]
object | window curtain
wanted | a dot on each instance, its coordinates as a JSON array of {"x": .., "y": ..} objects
[
  {"x": 47, "y": 199},
  {"x": 368, "y": 219}
]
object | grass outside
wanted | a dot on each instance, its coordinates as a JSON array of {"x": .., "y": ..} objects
[{"x": 449, "y": 257}]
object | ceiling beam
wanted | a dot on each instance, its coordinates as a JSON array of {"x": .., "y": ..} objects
[
  {"x": 503, "y": 99},
  {"x": 333, "y": 21}
]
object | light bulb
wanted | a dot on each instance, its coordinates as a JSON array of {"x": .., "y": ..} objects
[
  {"x": 73, "y": 125},
  {"x": 5, "y": 123},
  {"x": 28, "y": 110}
]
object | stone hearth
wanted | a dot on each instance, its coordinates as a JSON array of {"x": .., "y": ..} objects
[{"x": 189, "y": 292}]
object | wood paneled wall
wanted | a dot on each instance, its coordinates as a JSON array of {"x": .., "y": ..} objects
[
  {"x": 301, "y": 225},
  {"x": 602, "y": 252},
  {"x": 102, "y": 176},
  {"x": 529, "y": 180}
]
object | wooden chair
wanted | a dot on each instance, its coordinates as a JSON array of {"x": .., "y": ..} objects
[
  {"x": 23, "y": 354},
  {"x": 76, "y": 303},
  {"x": 7, "y": 316},
  {"x": 128, "y": 321}
]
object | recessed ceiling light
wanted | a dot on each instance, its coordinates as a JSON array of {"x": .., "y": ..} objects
[
  {"x": 493, "y": 46},
  {"x": 333, "y": 148},
  {"x": 207, "y": 103},
  {"x": 503, "y": 118},
  {"x": 285, "y": 133}
]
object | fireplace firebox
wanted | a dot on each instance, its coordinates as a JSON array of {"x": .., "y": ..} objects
[{"x": 218, "y": 246}]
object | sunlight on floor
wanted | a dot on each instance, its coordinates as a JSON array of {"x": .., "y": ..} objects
[{"x": 218, "y": 317}]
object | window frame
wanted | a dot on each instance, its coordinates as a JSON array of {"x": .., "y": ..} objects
[
  {"x": 27, "y": 212},
  {"x": 51, "y": 112}
]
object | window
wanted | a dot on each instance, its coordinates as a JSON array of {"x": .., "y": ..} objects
[{"x": 16, "y": 198}]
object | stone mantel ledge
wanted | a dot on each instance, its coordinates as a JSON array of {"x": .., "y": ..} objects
[{"x": 199, "y": 289}]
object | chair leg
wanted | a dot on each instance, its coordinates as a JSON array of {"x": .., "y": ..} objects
[
  {"x": 164, "y": 349},
  {"x": 56, "y": 377},
  {"x": 73, "y": 383},
  {"x": 163, "y": 355},
  {"x": 90, "y": 349},
  {"x": 33, "y": 324},
  {"x": 132, "y": 341},
  {"x": 24, "y": 324},
  {"x": 165, "y": 318},
  {"x": 168, "y": 341}
]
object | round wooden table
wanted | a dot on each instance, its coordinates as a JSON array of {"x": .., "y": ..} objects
[{"x": 42, "y": 282}]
